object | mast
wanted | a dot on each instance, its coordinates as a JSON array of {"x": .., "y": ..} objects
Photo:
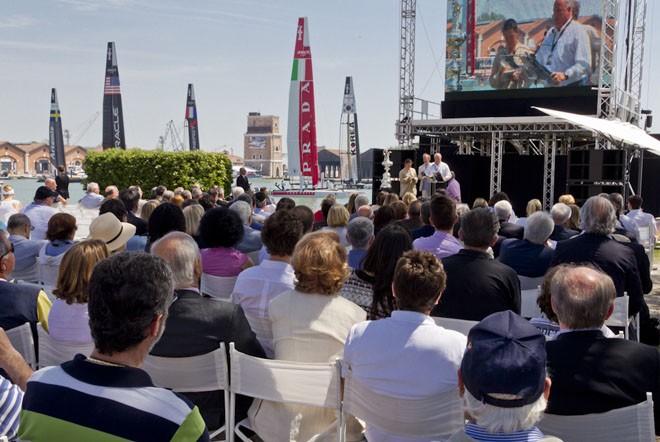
[
  {"x": 301, "y": 134},
  {"x": 55, "y": 137},
  {"x": 113, "y": 117},
  {"x": 349, "y": 115},
  {"x": 191, "y": 119}
]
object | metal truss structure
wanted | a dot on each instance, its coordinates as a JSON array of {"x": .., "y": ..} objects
[{"x": 617, "y": 98}]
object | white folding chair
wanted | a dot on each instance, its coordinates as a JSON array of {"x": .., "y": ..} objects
[
  {"x": 54, "y": 352},
  {"x": 460, "y": 325},
  {"x": 528, "y": 306},
  {"x": 21, "y": 339},
  {"x": 193, "y": 374},
  {"x": 633, "y": 423},
  {"x": 527, "y": 283},
  {"x": 620, "y": 318},
  {"x": 438, "y": 416},
  {"x": 646, "y": 239},
  {"x": 218, "y": 287},
  {"x": 313, "y": 384}
]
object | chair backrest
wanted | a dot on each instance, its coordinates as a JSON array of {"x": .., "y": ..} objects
[
  {"x": 263, "y": 328},
  {"x": 207, "y": 372},
  {"x": 48, "y": 273},
  {"x": 21, "y": 339},
  {"x": 459, "y": 325},
  {"x": 528, "y": 306},
  {"x": 619, "y": 317},
  {"x": 254, "y": 256},
  {"x": 219, "y": 287},
  {"x": 527, "y": 283},
  {"x": 435, "y": 416},
  {"x": 54, "y": 352},
  {"x": 629, "y": 423}
]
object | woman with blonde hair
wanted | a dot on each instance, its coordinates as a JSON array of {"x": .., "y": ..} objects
[
  {"x": 193, "y": 215},
  {"x": 310, "y": 324},
  {"x": 408, "y": 198},
  {"x": 8, "y": 205},
  {"x": 533, "y": 205},
  {"x": 390, "y": 198},
  {"x": 147, "y": 209},
  {"x": 68, "y": 319},
  {"x": 338, "y": 218}
]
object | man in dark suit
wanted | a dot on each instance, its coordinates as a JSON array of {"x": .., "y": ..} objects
[
  {"x": 414, "y": 220},
  {"x": 197, "y": 324},
  {"x": 242, "y": 179},
  {"x": 503, "y": 210},
  {"x": 426, "y": 229},
  {"x": 477, "y": 285},
  {"x": 530, "y": 256},
  {"x": 590, "y": 373},
  {"x": 595, "y": 246},
  {"x": 561, "y": 213},
  {"x": 131, "y": 199},
  {"x": 62, "y": 181}
]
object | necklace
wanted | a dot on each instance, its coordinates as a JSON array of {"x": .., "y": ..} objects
[{"x": 100, "y": 362}]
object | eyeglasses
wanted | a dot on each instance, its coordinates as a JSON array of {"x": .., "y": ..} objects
[{"x": 11, "y": 250}]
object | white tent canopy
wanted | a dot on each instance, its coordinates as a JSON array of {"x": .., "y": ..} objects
[{"x": 616, "y": 131}]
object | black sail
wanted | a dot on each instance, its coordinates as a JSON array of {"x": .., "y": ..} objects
[
  {"x": 191, "y": 118},
  {"x": 55, "y": 137},
  {"x": 113, "y": 116}
]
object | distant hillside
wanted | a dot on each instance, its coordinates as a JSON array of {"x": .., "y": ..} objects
[{"x": 526, "y": 10}]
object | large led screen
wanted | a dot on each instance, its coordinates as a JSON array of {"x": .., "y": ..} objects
[{"x": 522, "y": 44}]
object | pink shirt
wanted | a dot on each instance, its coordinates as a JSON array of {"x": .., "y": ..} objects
[{"x": 222, "y": 261}]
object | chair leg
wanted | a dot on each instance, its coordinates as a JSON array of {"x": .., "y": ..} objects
[{"x": 244, "y": 423}]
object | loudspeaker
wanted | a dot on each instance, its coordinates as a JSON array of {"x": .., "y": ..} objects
[
  {"x": 397, "y": 157},
  {"x": 591, "y": 172}
]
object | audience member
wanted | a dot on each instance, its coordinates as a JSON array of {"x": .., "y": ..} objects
[
  {"x": 384, "y": 216},
  {"x": 454, "y": 188},
  {"x": 480, "y": 202},
  {"x": 533, "y": 206},
  {"x": 221, "y": 230},
  {"x": 508, "y": 229},
  {"x": 414, "y": 220},
  {"x": 127, "y": 314},
  {"x": 530, "y": 256},
  {"x": 567, "y": 199},
  {"x": 361, "y": 200},
  {"x": 595, "y": 246},
  {"x": 477, "y": 285},
  {"x": 111, "y": 192},
  {"x": 146, "y": 211},
  {"x": 503, "y": 381},
  {"x": 92, "y": 199},
  {"x": 408, "y": 198},
  {"x": 426, "y": 229},
  {"x": 390, "y": 197},
  {"x": 52, "y": 185},
  {"x": 26, "y": 250},
  {"x": 131, "y": 200},
  {"x": 8, "y": 205},
  {"x": 381, "y": 355},
  {"x": 12, "y": 385},
  {"x": 285, "y": 203},
  {"x": 337, "y": 221},
  {"x": 69, "y": 319},
  {"x": 592, "y": 374},
  {"x": 561, "y": 215},
  {"x": 443, "y": 217},
  {"x": 260, "y": 200},
  {"x": 360, "y": 235},
  {"x": 371, "y": 287},
  {"x": 326, "y": 204},
  {"x": 165, "y": 218},
  {"x": 257, "y": 286},
  {"x": 113, "y": 232},
  {"x": 115, "y": 206},
  {"x": 193, "y": 215},
  {"x": 40, "y": 211},
  {"x": 251, "y": 240},
  {"x": 574, "y": 222},
  {"x": 400, "y": 210},
  {"x": 642, "y": 218},
  {"x": 315, "y": 311},
  {"x": 61, "y": 231},
  {"x": 628, "y": 225},
  {"x": 197, "y": 324},
  {"x": 365, "y": 211}
]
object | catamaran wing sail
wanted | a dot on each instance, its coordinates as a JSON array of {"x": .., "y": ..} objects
[
  {"x": 55, "y": 138},
  {"x": 191, "y": 119},
  {"x": 351, "y": 154},
  {"x": 113, "y": 117},
  {"x": 301, "y": 134}
]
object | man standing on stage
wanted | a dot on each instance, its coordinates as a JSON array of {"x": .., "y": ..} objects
[
  {"x": 424, "y": 173},
  {"x": 566, "y": 50},
  {"x": 242, "y": 180}
]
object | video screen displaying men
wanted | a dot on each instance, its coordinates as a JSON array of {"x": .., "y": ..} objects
[{"x": 503, "y": 45}]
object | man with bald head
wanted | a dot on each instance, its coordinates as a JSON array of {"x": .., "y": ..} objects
[
  {"x": 566, "y": 49},
  {"x": 52, "y": 185},
  {"x": 590, "y": 373},
  {"x": 596, "y": 246}
]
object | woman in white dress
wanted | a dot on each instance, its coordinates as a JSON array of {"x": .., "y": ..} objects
[{"x": 8, "y": 205}]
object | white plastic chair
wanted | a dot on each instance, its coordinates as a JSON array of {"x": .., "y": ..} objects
[
  {"x": 313, "y": 384},
  {"x": 21, "y": 339},
  {"x": 218, "y": 287},
  {"x": 192, "y": 374},
  {"x": 437, "y": 416},
  {"x": 54, "y": 352},
  {"x": 646, "y": 239},
  {"x": 459, "y": 325},
  {"x": 633, "y": 423},
  {"x": 528, "y": 306},
  {"x": 620, "y": 317}
]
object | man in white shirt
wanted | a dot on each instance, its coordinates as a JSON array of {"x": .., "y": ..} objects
[
  {"x": 566, "y": 49},
  {"x": 440, "y": 172},
  {"x": 407, "y": 356},
  {"x": 424, "y": 173},
  {"x": 640, "y": 217},
  {"x": 92, "y": 199},
  {"x": 40, "y": 211},
  {"x": 257, "y": 286}
]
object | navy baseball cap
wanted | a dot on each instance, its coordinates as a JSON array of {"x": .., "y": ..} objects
[
  {"x": 504, "y": 361},
  {"x": 44, "y": 192}
]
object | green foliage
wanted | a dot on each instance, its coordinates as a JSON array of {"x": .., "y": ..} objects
[{"x": 151, "y": 168}]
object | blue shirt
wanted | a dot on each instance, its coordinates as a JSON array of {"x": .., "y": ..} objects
[
  {"x": 355, "y": 258},
  {"x": 567, "y": 50}
]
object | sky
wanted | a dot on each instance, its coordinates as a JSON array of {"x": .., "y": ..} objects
[{"x": 237, "y": 53}]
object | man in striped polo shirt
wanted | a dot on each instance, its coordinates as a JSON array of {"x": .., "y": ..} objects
[{"x": 106, "y": 396}]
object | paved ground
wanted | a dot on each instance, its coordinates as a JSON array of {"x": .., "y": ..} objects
[{"x": 653, "y": 298}]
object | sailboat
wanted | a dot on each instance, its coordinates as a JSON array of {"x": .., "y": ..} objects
[
  {"x": 113, "y": 116},
  {"x": 349, "y": 151},
  {"x": 191, "y": 119},
  {"x": 55, "y": 136}
]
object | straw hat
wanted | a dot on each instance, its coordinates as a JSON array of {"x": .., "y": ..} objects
[{"x": 111, "y": 231}]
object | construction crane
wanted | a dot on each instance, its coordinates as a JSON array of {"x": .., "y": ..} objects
[
  {"x": 171, "y": 139},
  {"x": 83, "y": 128}
]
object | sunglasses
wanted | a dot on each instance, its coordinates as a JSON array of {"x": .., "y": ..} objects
[{"x": 11, "y": 250}]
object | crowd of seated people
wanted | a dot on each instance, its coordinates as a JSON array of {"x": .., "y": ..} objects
[{"x": 359, "y": 282}]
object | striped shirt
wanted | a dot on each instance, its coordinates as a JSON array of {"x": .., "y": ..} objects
[
  {"x": 84, "y": 401},
  {"x": 480, "y": 434},
  {"x": 10, "y": 407}
]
